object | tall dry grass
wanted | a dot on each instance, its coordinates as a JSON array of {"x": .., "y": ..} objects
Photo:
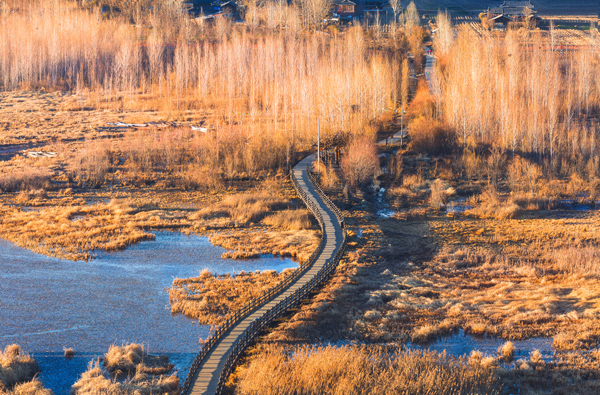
[
  {"x": 26, "y": 179},
  {"x": 361, "y": 370},
  {"x": 74, "y": 232},
  {"x": 211, "y": 299}
]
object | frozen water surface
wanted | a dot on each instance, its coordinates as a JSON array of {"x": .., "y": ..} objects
[{"x": 47, "y": 304}]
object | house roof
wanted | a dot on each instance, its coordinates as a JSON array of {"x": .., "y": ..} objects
[{"x": 498, "y": 17}]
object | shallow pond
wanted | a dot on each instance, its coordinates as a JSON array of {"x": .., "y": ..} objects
[
  {"x": 459, "y": 344},
  {"x": 118, "y": 298}
]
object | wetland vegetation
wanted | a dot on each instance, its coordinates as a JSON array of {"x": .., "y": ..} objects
[{"x": 157, "y": 121}]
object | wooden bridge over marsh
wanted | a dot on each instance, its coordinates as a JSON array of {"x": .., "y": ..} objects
[{"x": 215, "y": 362}]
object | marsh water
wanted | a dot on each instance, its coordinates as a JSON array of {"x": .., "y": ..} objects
[
  {"x": 462, "y": 344},
  {"x": 47, "y": 304}
]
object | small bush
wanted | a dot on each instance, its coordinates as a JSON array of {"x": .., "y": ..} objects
[
  {"x": 523, "y": 175},
  {"x": 360, "y": 163},
  {"x": 428, "y": 136},
  {"x": 438, "y": 194}
]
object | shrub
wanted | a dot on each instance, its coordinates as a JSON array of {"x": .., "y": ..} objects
[
  {"x": 438, "y": 194},
  {"x": 524, "y": 175},
  {"x": 91, "y": 165},
  {"x": 423, "y": 104},
  {"x": 360, "y": 163},
  {"x": 429, "y": 137}
]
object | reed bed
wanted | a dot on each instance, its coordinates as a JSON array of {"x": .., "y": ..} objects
[
  {"x": 62, "y": 224},
  {"x": 360, "y": 370},
  {"x": 211, "y": 299},
  {"x": 74, "y": 232},
  {"x": 297, "y": 244}
]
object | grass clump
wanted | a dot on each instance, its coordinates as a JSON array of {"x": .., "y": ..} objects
[
  {"x": 244, "y": 208},
  {"x": 360, "y": 370},
  {"x": 490, "y": 205},
  {"x": 134, "y": 357},
  {"x": 507, "y": 351},
  {"x": 289, "y": 219},
  {"x": 128, "y": 370},
  {"x": 17, "y": 373},
  {"x": 33, "y": 387}
]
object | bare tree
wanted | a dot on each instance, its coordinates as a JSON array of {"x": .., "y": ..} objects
[
  {"x": 314, "y": 11},
  {"x": 444, "y": 36},
  {"x": 396, "y": 8},
  {"x": 411, "y": 17}
]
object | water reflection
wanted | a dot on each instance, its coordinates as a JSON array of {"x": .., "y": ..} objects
[{"x": 47, "y": 303}]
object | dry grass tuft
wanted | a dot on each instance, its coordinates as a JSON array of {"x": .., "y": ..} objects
[
  {"x": 490, "y": 205},
  {"x": 16, "y": 366},
  {"x": 18, "y": 373},
  {"x": 33, "y": 387},
  {"x": 95, "y": 381},
  {"x": 133, "y": 358},
  {"x": 359, "y": 370},
  {"x": 535, "y": 357},
  {"x": 289, "y": 219},
  {"x": 507, "y": 351},
  {"x": 426, "y": 333}
]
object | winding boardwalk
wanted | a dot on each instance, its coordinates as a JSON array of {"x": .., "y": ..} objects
[{"x": 206, "y": 380}]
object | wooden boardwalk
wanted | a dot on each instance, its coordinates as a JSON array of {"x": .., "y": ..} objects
[{"x": 217, "y": 362}]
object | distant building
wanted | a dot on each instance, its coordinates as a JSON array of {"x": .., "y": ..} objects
[
  {"x": 345, "y": 8},
  {"x": 513, "y": 11}
]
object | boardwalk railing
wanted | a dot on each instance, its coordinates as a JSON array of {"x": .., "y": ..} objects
[{"x": 280, "y": 308}]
